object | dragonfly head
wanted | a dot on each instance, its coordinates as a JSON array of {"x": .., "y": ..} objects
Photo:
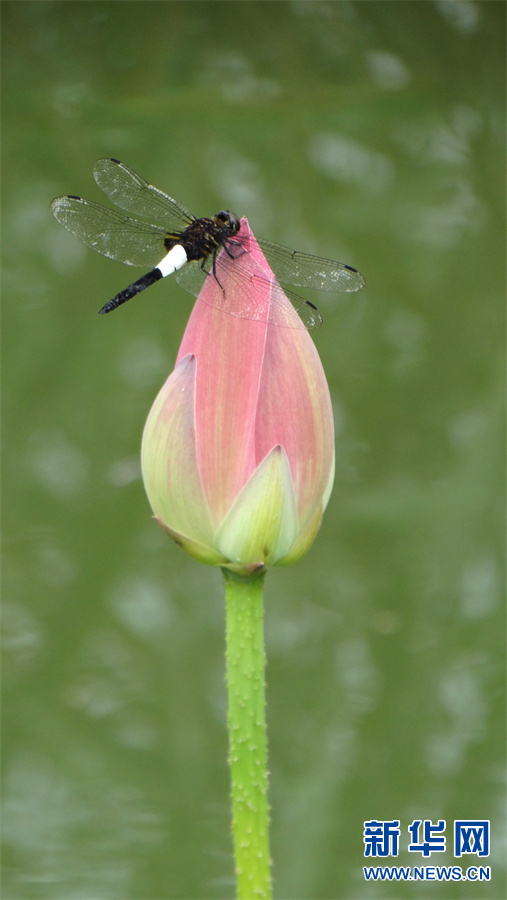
[{"x": 228, "y": 220}]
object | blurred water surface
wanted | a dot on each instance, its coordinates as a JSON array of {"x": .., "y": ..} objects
[{"x": 371, "y": 132}]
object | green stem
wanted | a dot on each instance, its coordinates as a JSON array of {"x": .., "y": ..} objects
[{"x": 247, "y": 734}]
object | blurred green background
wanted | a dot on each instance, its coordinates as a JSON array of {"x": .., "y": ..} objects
[{"x": 370, "y": 132}]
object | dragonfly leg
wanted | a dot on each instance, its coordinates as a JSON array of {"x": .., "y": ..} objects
[
  {"x": 236, "y": 244},
  {"x": 213, "y": 271}
]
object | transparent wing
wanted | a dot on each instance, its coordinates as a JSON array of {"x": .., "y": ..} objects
[
  {"x": 241, "y": 297},
  {"x": 191, "y": 277},
  {"x": 304, "y": 270},
  {"x": 111, "y": 233},
  {"x": 131, "y": 192}
]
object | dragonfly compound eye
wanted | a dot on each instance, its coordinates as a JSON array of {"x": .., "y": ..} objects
[{"x": 229, "y": 219}]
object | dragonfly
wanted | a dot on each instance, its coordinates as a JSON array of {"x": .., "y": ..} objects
[{"x": 193, "y": 249}]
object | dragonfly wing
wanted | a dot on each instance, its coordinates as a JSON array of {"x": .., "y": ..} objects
[
  {"x": 191, "y": 277},
  {"x": 307, "y": 312},
  {"x": 110, "y": 233},
  {"x": 241, "y": 298},
  {"x": 304, "y": 270},
  {"x": 131, "y": 192},
  {"x": 280, "y": 312}
]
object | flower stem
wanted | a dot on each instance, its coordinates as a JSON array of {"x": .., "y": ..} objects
[{"x": 247, "y": 734}]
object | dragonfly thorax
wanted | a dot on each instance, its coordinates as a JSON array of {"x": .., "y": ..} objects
[{"x": 205, "y": 237}]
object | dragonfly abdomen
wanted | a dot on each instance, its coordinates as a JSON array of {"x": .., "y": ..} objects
[{"x": 133, "y": 289}]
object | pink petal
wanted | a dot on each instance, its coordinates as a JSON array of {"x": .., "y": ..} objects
[
  {"x": 295, "y": 410},
  {"x": 258, "y": 385}
]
